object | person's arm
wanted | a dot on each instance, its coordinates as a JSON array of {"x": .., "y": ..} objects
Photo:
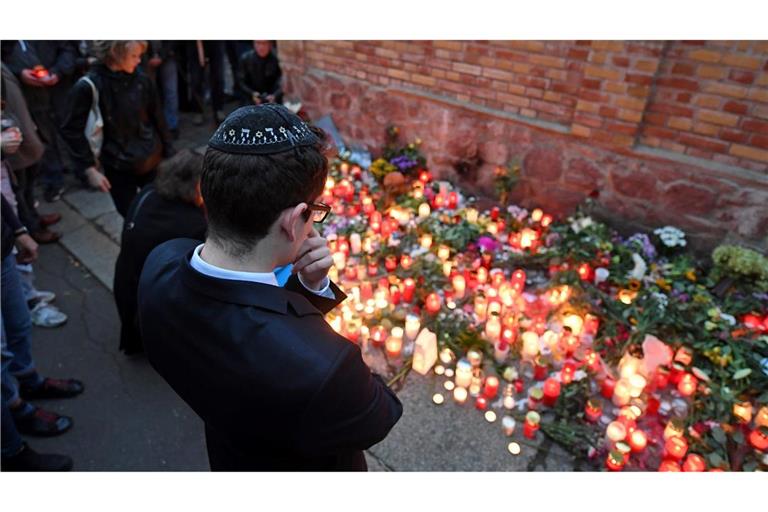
[
  {"x": 80, "y": 99},
  {"x": 323, "y": 303},
  {"x": 277, "y": 88},
  {"x": 66, "y": 59},
  {"x": 352, "y": 410},
  {"x": 24, "y": 243}
]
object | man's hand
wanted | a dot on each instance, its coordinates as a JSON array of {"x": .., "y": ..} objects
[
  {"x": 50, "y": 80},
  {"x": 28, "y": 77},
  {"x": 256, "y": 98},
  {"x": 270, "y": 98},
  {"x": 97, "y": 180},
  {"x": 314, "y": 260},
  {"x": 27, "y": 249},
  {"x": 155, "y": 61}
]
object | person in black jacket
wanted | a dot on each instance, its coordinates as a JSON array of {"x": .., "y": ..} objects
[
  {"x": 135, "y": 134},
  {"x": 169, "y": 208},
  {"x": 260, "y": 76},
  {"x": 46, "y": 71},
  {"x": 276, "y": 386}
]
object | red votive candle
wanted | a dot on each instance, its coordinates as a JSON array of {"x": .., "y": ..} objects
[
  {"x": 758, "y": 438},
  {"x": 669, "y": 466},
  {"x": 481, "y": 403},
  {"x": 409, "y": 287},
  {"x": 615, "y": 460},
  {"x": 540, "y": 369},
  {"x": 551, "y": 391},
  {"x": 567, "y": 373},
  {"x": 390, "y": 263},
  {"x": 675, "y": 447},
  {"x": 606, "y": 387},
  {"x": 593, "y": 410},
  {"x": 433, "y": 303},
  {"x": 687, "y": 384},
  {"x": 491, "y": 388},
  {"x": 531, "y": 425},
  {"x": 694, "y": 464}
]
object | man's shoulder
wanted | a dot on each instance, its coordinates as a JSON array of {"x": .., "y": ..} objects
[{"x": 167, "y": 254}]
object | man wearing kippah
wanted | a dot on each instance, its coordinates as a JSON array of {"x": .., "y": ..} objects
[{"x": 276, "y": 387}]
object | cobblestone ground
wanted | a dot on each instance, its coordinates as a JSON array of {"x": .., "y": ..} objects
[{"x": 129, "y": 419}]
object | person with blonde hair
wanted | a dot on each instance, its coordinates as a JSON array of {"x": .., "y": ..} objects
[{"x": 135, "y": 136}]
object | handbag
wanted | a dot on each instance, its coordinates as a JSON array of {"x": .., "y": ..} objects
[{"x": 94, "y": 126}]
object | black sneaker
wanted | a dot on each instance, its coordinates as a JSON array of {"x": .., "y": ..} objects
[
  {"x": 40, "y": 422},
  {"x": 29, "y": 460}
]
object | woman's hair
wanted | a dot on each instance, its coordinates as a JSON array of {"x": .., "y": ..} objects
[
  {"x": 177, "y": 177},
  {"x": 111, "y": 52}
]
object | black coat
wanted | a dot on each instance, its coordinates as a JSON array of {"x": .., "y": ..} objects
[
  {"x": 260, "y": 75},
  {"x": 135, "y": 132},
  {"x": 277, "y": 388},
  {"x": 151, "y": 220}
]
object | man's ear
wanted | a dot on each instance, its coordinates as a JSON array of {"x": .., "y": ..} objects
[{"x": 289, "y": 219}]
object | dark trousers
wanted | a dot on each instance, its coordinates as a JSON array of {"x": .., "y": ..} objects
[
  {"x": 125, "y": 186},
  {"x": 51, "y": 166},
  {"x": 214, "y": 53},
  {"x": 25, "y": 197}
]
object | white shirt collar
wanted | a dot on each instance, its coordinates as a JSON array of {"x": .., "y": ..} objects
[{"x": 233, "y": 275}]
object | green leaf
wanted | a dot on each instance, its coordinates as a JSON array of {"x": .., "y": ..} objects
[
  {"x": 715, "y": 460},
  {"x": 740, "y": 374},
  {"x": 738, "y": 437},
  {"x": 750, "y": 466},
  {"x": 719, "y": 435}
]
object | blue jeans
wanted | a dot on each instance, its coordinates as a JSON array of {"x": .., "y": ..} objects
[
  {"x": 17, "y": 364},
  {"x": 169, "y": 83}
]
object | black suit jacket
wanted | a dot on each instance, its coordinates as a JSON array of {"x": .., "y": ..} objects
[{"x": 277, "y": 388}]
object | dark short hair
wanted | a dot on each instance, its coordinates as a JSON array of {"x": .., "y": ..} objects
[
  {"x": 178, "y": 176},
  {"x": 244, "y": 194}
]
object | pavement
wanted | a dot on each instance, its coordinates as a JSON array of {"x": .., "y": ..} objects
[{"x": 129, "y": 418}]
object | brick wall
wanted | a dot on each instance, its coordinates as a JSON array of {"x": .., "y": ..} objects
[{"x": 667, "y": 131}]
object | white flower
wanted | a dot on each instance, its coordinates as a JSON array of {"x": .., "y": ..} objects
[
  {"x": 638, "y": 272},
  {"x": 728, "y": 318},
  {"x": 671, "y": 236}
]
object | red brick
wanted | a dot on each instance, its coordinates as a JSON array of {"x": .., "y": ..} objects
[
  {"x": 593, "y": 96},
  {"x": 743, "y": 77},
  {"x": 565, "y": 88},
  {"x": 587, "y": 120},
  {"x": 578, "y": 54},
  {"x": 754, "y": 126},
  {"x": 657, "y": 131},
  {"x": 703, "y": 143},
  {"x": 744, "y": 61},
  {"x": 671, "y": 109},
  {"x": 627, "y": 129},
  {"x": 591, "y": 83},
  {"x": 760, "y": 141},
  {"x": 734, "y": 136},
  {"x": 620, "y": 61},
  {"x": 735, "y": 107},
  {"x": 634, "y": 78},
  {"x": 606, "y": 111},
  {"x": 679, "y": 83},
  {"x": 719, "y": 118},
  {"x": 655, "y": 118},
  {"x": 749, "y": 152},
  {"x": 684, "y": 97},
  {"x": 681, "y": 68},
  {"x": 639, "y": 91}
]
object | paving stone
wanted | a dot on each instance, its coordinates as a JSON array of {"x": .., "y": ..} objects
[
  {"x": 112, "y": 224},
  {"x": 91, "y": 204}
]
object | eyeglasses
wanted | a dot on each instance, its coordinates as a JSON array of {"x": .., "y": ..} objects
[{"x": 318, "y": 211}]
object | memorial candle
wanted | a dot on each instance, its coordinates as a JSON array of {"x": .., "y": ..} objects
[
  {"x": 394, "y": 343},
  {"x": 390, "y": 263},
  {"x": 551, "y": 391},
  {"x": 530, "y": 345},
  {"x": 621, "y": 392},
  {"x": 616, "y": 431},
  {"x": 406, "y": 261},
  {"x": 433, "y": 303},
  {"x": 743, "y": 411},
  {"x": 482, "y": 275},
  {"x": 758, "y": 438},
  {"x": 412, "y": 326},
  {"x": 615, "y": 460},
  {"x": 491, "y": 388},
  {"x": 694, "y": 464},
  {"x": 761, "y": 418},
  {"x": 459, "y": 286},
  {"x": 460, "y": 394},
  {"x": 607, "y": 387},
  {"x": 638, "y": 440},
  {"x": 676, "y": 447},
  {"x": 674, "y": 428},
  {"x": 532, "y": 420},
  {"x": 493, "y": 328},
  {"x": 426, "y": 240},
  {"x": 593, "y": 410},
  {"x": 481, "y": 403},
  {"x": 463, "y": 373},
  {"x": 535, "y": 396},
  {"x": 540, "y": 368},
  {"x": 378, "y": 335},
  {"x": 669, "y": 466},
  {"x": 687, "y": 384},
  {"x": 409, "y": 287},
  {"x": 339, "y": 260},
  {"x": 568, "y": 372},
  {"x": 501, "y": 349},
  {"x": 443, "y": 252},
  {"x": 508, "y": 425}
]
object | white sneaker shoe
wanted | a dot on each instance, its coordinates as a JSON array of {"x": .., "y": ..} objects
[
  {"x": 42, "y": 296},
  {"x": 46, "y": 315}
]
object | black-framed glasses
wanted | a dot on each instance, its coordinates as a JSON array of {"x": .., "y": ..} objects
[{"x": 318, "y": 211}]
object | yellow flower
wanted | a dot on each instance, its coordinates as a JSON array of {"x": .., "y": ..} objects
[
  {"x": 633, "y": 284},
  {"x": 691, "y": 275},
  {"x": 663, "y": 284}
]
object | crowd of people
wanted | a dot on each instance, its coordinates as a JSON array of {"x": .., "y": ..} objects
[{"x": 106, "y": 112}]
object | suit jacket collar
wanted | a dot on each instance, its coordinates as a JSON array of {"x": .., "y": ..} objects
[{"x": 246, "y": 293}]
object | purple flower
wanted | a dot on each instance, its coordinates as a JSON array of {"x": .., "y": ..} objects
[
  {"x": 487, "y": 244},
  {"x": 642, "y": 242}
]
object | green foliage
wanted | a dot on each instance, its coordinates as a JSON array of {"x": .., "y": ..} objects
[{"x": 745, "y": 265}]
